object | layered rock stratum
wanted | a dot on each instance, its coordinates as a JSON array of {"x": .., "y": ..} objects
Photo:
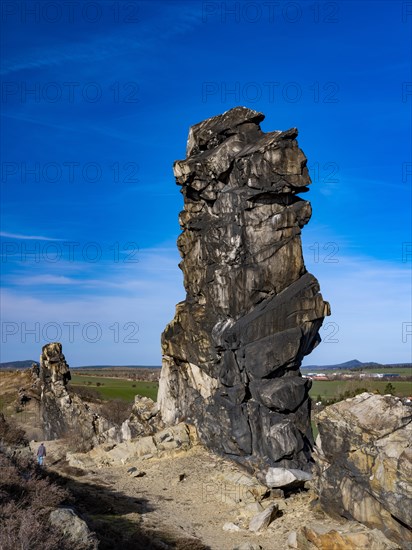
[
  {"x": 61, "y": 412},
  {"x": 231, "y": 355},
  {"x": 364, "y": 462}
]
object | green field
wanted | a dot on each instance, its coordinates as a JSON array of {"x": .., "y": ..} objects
[
  {"x": 120, "y": 388},
  {"x": 116, "y": 388},
  {"x": 329, "y": 389}
]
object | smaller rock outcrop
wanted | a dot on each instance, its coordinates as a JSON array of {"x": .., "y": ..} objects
[
  {"x": 364, "y": 462},
  {"x": 62, "y": 412},
  {"x": 351, "y": 536},
  {"x": 144, "y": 419},
  {"x": 76, "y": 529},
  {"x": 169, "y": 441}
]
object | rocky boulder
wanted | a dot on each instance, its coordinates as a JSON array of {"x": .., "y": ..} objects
[
  {"x": 364, "y": 462},
  {"x": 350, "y": 536},
  {"x": 231, "y": 356},
  {"x": 75, "y": 528},
  {"x": 145, "y": 419}
]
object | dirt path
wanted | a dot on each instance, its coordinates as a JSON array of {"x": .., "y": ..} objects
[{"x": 186, "y": 497}]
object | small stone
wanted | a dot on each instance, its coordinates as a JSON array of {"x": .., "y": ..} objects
[
  {"x": 293, "y": 539},
  {"x": 253, "y": 508},
  {"x": 139, "y": 474},
  {"x": 182, "y": 477},
  {"x": 345, "y": 537},
  {"x": 248, "y": 546},
  {"x": 229, "y": 526},
  {"x": 146, "y": 456},
  {"x": 286, "y": 477},
  {"x": 277, "y": 493},
  {"x": 131, "y": 471},
  {"x": 264, "y": 519}
]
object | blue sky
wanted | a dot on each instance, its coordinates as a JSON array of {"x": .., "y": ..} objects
[{"x": 97, "y": 99}]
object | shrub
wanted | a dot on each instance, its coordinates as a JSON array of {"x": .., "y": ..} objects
[
  {"x": 86, "y": 394},
  {"x": 76, "y": 442},
  {"x": 27, "y": 497},
  {"x": 11, "y": 434},
  {"x": 389, "y": 388},
  {"x": 116, "y": 411}
]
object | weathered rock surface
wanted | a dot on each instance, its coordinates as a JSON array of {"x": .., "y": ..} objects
[
  {"x": 63, "y": 413},
  {"x": 351, "y": 536},
  {"x": 171, "y": 440},
  {"x": 263, "y": 519},
  {"x": 231, "y": 356},
  {"x": 143, "y": 420},
  {"x": 74, "y": 527},
  {"x": 284, "y": 477},
  {"x": 365, "y": 463}
]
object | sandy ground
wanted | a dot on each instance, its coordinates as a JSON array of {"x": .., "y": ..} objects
[{"x": 191, "y": 495}]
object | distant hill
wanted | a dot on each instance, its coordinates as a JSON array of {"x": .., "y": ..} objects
[
  {"x": 355, "y": 364},
  {"x": 17, "y": 365}
]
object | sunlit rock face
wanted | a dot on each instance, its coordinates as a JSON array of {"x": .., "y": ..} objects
[
  {"x": 364, "y": 463},
  {"x": 231, "y": 355},
  {"x": 65, "y": 414},
  {"x": 60, "y": 411}
]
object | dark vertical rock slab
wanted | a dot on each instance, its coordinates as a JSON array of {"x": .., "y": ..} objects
[{"x": 231, "y": 356}]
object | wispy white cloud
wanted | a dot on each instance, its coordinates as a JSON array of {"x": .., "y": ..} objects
[
  {"x": 8, "y": 235},
  {"x": 114, "y": 44},
  {"x": 370, "y": 303},
  {"x": 45, "y": 279},
  {"x": 126, "y": 273},
  {"x": 127, "y": 312}
]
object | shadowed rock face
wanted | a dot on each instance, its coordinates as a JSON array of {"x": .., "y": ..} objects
[{"x": 231, "y": 356}]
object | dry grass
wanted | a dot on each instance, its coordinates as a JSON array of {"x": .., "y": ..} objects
[
  {"x": 116, "y": 411},
  {"x": 26, "y": 499},
  {"x": 10, "y": 434}
]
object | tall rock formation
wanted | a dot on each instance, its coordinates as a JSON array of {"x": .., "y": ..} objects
[
  {"x": 61, "y": 412},
  {"x": 231, "y": 355}
]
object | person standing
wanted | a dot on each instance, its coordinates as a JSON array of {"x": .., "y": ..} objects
[{"x": 41, "y": 453}]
